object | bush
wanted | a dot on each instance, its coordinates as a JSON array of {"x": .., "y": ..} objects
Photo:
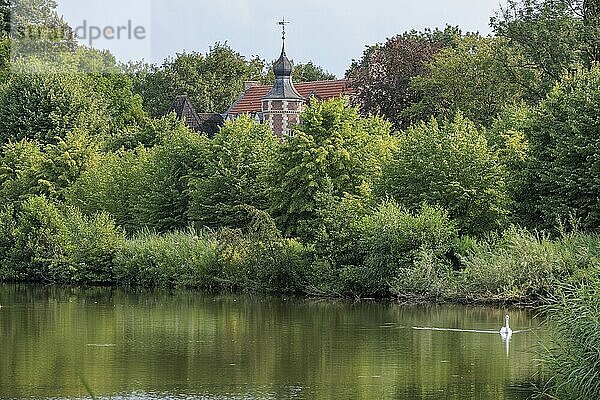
[
  {"x": 221, "y": 261},
  {"x": 395, "y": 242},
  {"x": 181, "y": 259},
  {"x": 393, "y": 251},
  {"x": 283, "y": 266},
  {"x": 145, "y": 188},
  {"x": 34, "y": 241},
  {"x": 564, "y": 173},
  {"x": 452, "y": 166},
  {"x": 92, "y": 244},
  {"x": 21, "y": 172}
]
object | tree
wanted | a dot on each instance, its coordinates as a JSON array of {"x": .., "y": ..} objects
[
  {"x": 163, "y": 182},
  {"x": 470, "y": 78},
  {"x": 21, "y": 172},
  {"x": 4, "y": 18},
  {"x": 310, "y": 72},
  {"x": 554, "y": 36},
  {"x": 112, "y": 184},
  {"x": 507, "y": 137},
  {"x": 35, "y": 27},
  {"x": 452, "y": 166},
  {"x": 28, "y": 168},
  {"x": 235, "y": 177},
  {"x": 44, "y": 107},
  {"x": 46, "y": 100},
  {"x": 212, "y": 81},
  {"x": 145, "y": 188},
  {"x": 334, "y": 152},
  {"x": 381, "y": 78},
  {"x": 564, "y": 172}
]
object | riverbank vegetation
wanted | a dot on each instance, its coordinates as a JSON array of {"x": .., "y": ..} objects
[{"x": 472, "y": 178}]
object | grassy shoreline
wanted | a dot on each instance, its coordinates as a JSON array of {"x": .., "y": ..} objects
[{"x": 393, "y": 254}]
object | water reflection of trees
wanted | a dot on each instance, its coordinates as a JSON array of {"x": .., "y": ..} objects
[{"x": 227, "y": 345}]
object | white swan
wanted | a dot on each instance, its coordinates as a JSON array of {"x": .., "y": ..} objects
[{"x": 505, "y": 330}]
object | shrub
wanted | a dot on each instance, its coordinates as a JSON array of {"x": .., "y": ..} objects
[
  {"x": 181, "y": 259},
  {"x": 145, "y": 188},
  {"x": 38, "y": 236},
  {"x": 396, "y": 252},
  {"x": 283, "y": 266},
  {"x": 92, "y": 244},
  {"x": 394, "y": 239},
  {"x": 452, "y": 166}
]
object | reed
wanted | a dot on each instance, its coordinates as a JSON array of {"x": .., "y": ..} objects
[{"x": 571, "y": 359}]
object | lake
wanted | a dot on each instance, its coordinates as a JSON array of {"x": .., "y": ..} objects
[{"x": 134, "y": 344}]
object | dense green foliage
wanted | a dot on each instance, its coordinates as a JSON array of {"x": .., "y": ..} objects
[
  {"x": 333, "y": 152},
  {"x": 212, "y": 81},
  {"x": 564, "y": 169},
  {"x": 470, "y": 77},
  {"x": 145, "y": 188},
  {"x": 389, "y": 250},
  {"x": 235, "y": 175},
  {"x": 383, "y": 75},
  {"x": 44, "y": 104},
  {"x": 450, "y": 165},
  {"x": 311, "y": 72},
  {"x": 487, "y": 191},
  {"x": 554, "y": 36}
]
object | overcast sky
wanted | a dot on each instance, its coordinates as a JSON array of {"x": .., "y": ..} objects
[{"x": 329, "y": 32}]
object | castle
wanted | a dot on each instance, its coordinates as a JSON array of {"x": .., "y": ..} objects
[{"x": 279, "y": 105}]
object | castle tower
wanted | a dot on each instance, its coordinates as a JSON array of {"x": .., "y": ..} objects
[{"x": 282, "y": 106}]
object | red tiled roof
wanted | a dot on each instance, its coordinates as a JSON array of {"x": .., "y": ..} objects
[{"x": 250, "y": 100}]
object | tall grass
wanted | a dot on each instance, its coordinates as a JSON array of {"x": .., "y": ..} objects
[
  {"x": 523, "y": 266},
  {"x": 572, "y": 358},
  {"x": 169, "y": 260},
  {"x": 225, "y": 260}
]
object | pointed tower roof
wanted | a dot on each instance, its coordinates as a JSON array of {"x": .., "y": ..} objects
[{"x": 283, "y": 88}]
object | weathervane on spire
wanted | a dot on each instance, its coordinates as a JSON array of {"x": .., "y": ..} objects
[{"x": 283, "y": 23}]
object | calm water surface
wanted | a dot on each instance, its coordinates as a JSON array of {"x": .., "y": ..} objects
[{"x": 146, "y": 345}]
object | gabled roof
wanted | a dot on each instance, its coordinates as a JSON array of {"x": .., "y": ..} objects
[
  {"x": 251, "y": 100},
  {"x": 209, "y": 123},
  {"x": 183, "y": 108}
]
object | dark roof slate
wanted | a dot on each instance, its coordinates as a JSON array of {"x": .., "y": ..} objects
[{"x": 209, "y": 123}]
